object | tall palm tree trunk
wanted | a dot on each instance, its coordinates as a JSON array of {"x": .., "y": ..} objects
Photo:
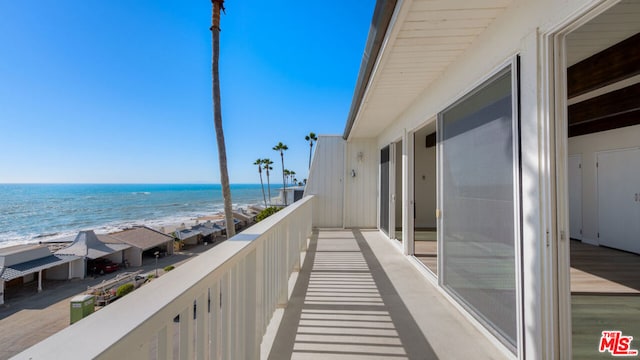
[
  {"x": 264, "y": 197},
  {"x": 269, "y": 186},
  {"x": 217, "y": 6},
  {"x": 262, "y": 186},
  {"x": 284, "y": 181}
]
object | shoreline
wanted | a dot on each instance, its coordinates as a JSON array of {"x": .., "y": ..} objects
[{"x": 165, "y": 225}]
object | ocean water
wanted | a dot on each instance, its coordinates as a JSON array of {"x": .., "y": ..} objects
[{"x": 42, "y": 212}]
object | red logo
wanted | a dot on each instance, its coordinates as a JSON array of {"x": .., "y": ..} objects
[{"x": 617, "y": 344}]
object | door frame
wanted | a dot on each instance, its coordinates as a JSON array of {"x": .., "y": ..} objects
[
  {"x": 555, "y": 200},
  {"x": 512, "y": 63}
]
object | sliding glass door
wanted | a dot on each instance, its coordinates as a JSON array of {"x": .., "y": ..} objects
[{"x": 479, "y": 191}]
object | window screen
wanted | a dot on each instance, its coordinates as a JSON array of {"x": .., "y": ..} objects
[{"x": 478, "y": 207}]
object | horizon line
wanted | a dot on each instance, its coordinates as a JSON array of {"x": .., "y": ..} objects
[{"x": 126, "y": 183}]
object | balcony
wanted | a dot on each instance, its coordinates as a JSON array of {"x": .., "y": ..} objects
[{"x": 280, "y": 290}]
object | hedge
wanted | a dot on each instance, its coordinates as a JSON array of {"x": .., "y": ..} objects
[
  {"x": 124, "y": 289},
  {"x": 267, "y": 212}
]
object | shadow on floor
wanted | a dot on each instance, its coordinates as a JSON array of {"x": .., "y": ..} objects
[{"x": 344, "y": 306}]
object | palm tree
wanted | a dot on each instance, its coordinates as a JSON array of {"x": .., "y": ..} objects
[
  {"x": 218, "y": 5},
  {"x": 259, "y": 163},
  {"x": 282, "y": 148},
  {"x": 292, "y": 175},
  {"x": 266, "y": 165},
  {"x": 310, "y": 138},
  {"x": 287, "y": 174}
]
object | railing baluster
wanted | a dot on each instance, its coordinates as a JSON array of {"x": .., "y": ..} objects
[
  {"x": 215, "y": 323},
  {"x": 201, "y": 308}
]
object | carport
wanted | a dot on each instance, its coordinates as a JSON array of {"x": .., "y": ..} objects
[
  {"x": 87, "y": 246},
  {"x": 27, "y": 262},
  {"x": 141, "y": 239}
]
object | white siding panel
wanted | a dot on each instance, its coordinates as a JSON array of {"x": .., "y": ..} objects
[
  {"x": 361, "y": 190},
  {"x": 326, "y": 181}
]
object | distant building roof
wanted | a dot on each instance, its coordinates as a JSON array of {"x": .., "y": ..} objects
[
  {"x": 141, "y": 237},
  {"x": 22, "y": 253},
  {"x": 207, "y": 228},
  {"x": 17, "y": 270},
  {"x": 87, "y": 244},
  {"x": 187, "y": 233},
  {"x": 10, "y": 250}
]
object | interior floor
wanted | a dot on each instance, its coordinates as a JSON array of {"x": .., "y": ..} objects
[
  {"x": 605, "y": 295},
  {"x": 426, "y": 248},
  {"x": 605, "y": 291}
]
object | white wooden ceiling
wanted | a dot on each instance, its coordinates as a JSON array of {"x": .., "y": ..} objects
[
  {"x": 428, "y": 36},
  {"x": 614, "y": 25}
]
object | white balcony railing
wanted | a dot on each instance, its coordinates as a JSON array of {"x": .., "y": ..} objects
[{"x": 216, "y": 306}]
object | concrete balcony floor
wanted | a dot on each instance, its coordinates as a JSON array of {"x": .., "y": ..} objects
[{"x": 358, "y": 297}]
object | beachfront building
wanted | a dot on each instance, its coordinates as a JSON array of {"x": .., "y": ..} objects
[
  {"x": 22, "y": 265},
  {"x": 483, "y": 137},
  {"x": 88, "y": 246},
  {"x": 143, "y": 241},
  {"x": 189, "y": 236},
  {"x": 209, "y": 231},
  {"x": 292, "y": 193}
]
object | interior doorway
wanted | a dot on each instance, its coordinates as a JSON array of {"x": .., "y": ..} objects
[
  {"x": 397, "y": 197},
  {"x": 384, "y": 189},
  {"x": 425, "y": 197}
]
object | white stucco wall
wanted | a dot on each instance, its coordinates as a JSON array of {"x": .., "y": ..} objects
[
  {"x": 116, "y": 257},
  {"x": 76, "y": 269},
  {"x": 588, "y": 146},
  {"x": 134, "y": 256}
]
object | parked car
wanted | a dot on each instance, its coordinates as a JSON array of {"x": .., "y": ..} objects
[
  {"x": 139, "y": 280},
  {"x": 102, "y": 266}
]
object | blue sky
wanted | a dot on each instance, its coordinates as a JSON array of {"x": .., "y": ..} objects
[{"x": 119, "y": 91}]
